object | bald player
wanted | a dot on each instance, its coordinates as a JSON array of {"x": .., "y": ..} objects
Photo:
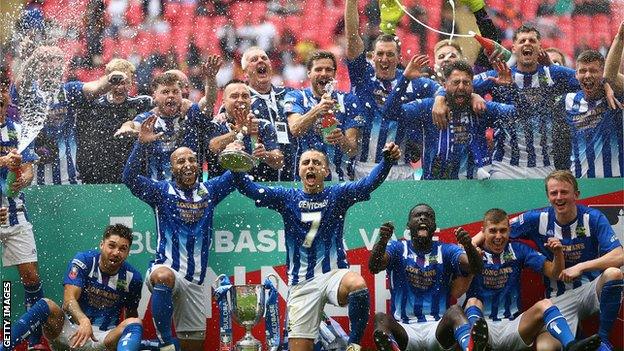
[{"x": 184, "y": 208}]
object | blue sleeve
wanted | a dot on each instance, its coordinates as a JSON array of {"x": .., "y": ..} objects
[
  {"x": 529, "y": 257},
  {"x": 392, "y": 107},
  {"x": 424, "y": 88},
  {"x": 482, "y": 85},
  {"x": 142, "y": 187},
  {"x": 268, "y": 137},
  {"x": 360, "y": 73},
  {"x": 73, "y": 92},
  {"x": 198, "y": 118},
  {"x": 264, "y": 196},
  {"x": 140, "y": 118},
  {"x": 601, "y": 228},
  {"x": 77, "y": 270},
  {"x": 394, "y": 249},
  {"x": 417, "y": 111},
  {"x": 525, "y": 225},
  {"x": 496, "y": 111},
  {"x": 220, "y": 187},
  {"x": 352, "y": 192},
  {"x": 217, "y": 129},
  {"x": 293, "y": 103},
  {"x": 565, "y": 79},
  {"x": 29, "y": 155},
  {"x": 134, "y": 291},
  {"x": 353, "y": 111},
  {"x": 451, "y": 254}
]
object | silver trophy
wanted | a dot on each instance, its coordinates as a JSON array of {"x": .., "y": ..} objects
[
  {"x": 235, "y": 158},
  {"x": 247, "y": 309}
]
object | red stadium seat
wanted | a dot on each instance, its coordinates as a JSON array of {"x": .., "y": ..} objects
[{"x": 134, "y": 14}]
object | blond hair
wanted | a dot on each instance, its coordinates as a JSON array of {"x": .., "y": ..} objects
[
  {"x": 121, "y": 65},
  {"x": 561, "y": 176},
  {"x": 447, "y": 42}
]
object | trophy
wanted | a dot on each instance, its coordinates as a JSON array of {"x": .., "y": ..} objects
[
  {"x": 234, "y": 156},
  {"x": 247, "y": 309}
]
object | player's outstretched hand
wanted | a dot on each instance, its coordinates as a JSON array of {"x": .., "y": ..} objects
[
  {"x": 82, "y": 335},
  {"x": 146, "y": 133},
  {"x": 126, "y": 131},
  {"x": 415, "y": 65},
  {"x": 463, "y": 238},
  {"x": 543, "y": 58},
  {"x": 504, "y": 74},
  {"x": 478, "y": 103},
  {"x": 391, "y": 152},
  {"x": 440, "y": 112},
  {"x": 211, "y": 66},
  {"x": 385, "y": 231}
]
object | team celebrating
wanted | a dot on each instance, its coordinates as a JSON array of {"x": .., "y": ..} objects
[{"x": 391, "y": 118}]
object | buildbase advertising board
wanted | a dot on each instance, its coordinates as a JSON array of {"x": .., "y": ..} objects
[{"x": 248, "y": 242}]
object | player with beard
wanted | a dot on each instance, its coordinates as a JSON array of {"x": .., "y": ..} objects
[
  {"x": 178, "y": 128},
  {"x": 596, "y": 130},
  {"x": 267, "y": 102},
  {"x": 460, "y": 149},
  {"x": 372, "y": 83},
  {"x": 523, "y": 143},
  {"x": 307, "y": 108},
  {"x": 98, "y": 286},
  {"x": 236, "y": 119},
  {"x": 421, "y": 271},
  {"x": 495, "y": 293},
  {"x": 102, "y": 149},
  {"x": 316, "y": 259},
  {"x": 184, "y": 211}
]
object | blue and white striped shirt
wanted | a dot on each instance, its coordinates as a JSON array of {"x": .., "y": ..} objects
[
  {"x": 498, "y": 286},
  {"x": 183, "y": 216},
  {"x": 588, "y": 237},
  {"x": 526, "y": 139},
  {"x": 9, "y": 136},
  {"x": 420, "y": 281},
  {"x": 597, "y": 143}
]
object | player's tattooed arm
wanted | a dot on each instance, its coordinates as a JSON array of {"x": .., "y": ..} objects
[
  {"x": 210, "y": 68},
  {"x": 355, "y": 44},
  {"x": 553, "y": 268},
  {"x": 471, "y": 263},
  {"x": 378, "y": 260},
  {"x": 71, "y": 307}
]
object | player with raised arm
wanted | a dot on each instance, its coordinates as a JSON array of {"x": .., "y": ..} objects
[
  {"x": 495, "y": 294},
  {"x": 184, "y": 211},
  {"x": 98, "y": 286},
  {"x": 421, "y": 272},
  {"x": 315, "y": 255},
  {"x": 372, "y": 83}
]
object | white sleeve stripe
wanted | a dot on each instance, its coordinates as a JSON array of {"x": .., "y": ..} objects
[{"x": 543, "y": 223}]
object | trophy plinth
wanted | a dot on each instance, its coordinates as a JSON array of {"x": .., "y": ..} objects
[
  {"x": 247, "y": 310},
  {"x": 235, "y": 159}
]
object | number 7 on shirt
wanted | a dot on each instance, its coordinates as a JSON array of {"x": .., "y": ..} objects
[{"x": 315, "y": 219}]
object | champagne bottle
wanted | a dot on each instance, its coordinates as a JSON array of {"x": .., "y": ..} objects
[
  {"x": 490, "y": 45},
  {"x": 13, "y": 175}
]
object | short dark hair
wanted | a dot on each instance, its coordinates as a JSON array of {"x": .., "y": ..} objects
[
  {"x": 234, "y": 81},
  {"x": 420, "y": 204},
  {"x": 319, "y": 55},
  {"x": 495, "y": 215},
  {"x": 165, "y": 79},
  {"x": 589, "y": 56},
  {"x": 459, "y": 65},
  {"x": 558, "y": 52},
  {"x": 120, "y": 230},
  {"x": 388, "y": 38},
  {"x": 526, "y": 28},
  {"x": 314, "y": 149}
]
